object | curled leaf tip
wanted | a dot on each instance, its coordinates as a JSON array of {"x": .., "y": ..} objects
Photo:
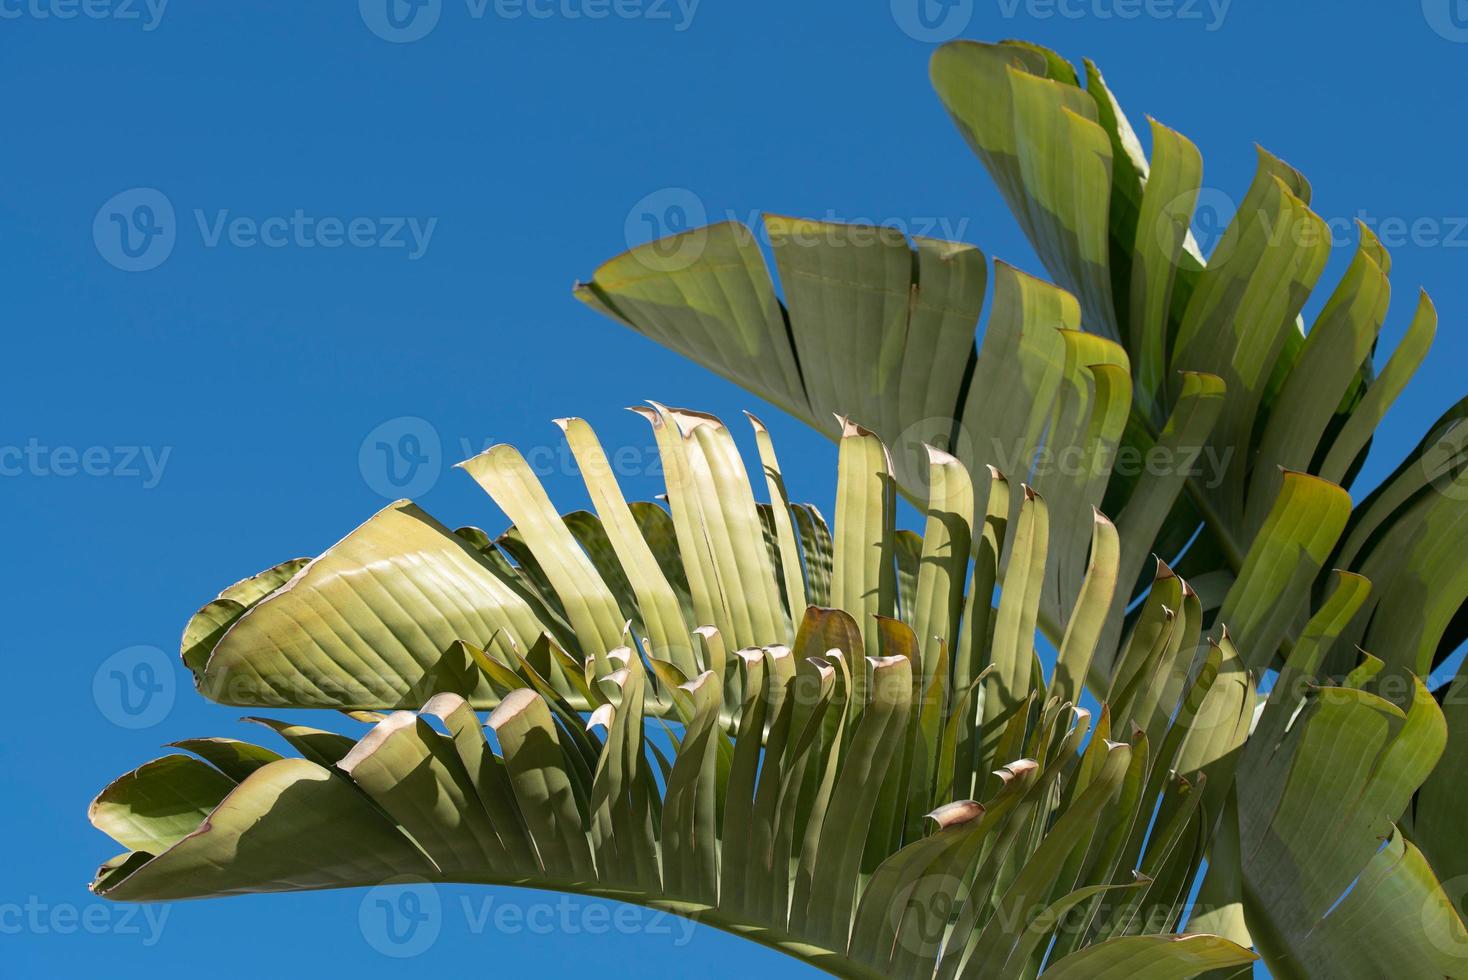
[{"x": 603, "y": 716}]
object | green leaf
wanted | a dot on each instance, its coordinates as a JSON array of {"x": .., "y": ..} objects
[
  {"x": 335, "y": 637},
  {"x": 157, "y": 805},
  {"x": 1151, "y": 958}
]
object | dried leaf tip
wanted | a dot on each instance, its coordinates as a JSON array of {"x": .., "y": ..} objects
[
  {"x": 956, "y": 813},
  {"x": 513, "y": 704},
  {"x": 370, "y": 742},
  {"x": 939, "y": 457}
]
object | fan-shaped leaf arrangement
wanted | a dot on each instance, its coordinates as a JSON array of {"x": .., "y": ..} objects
[{"x": 857, "y": 756}]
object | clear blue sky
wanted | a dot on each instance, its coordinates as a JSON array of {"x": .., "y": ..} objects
[{"x": 184, "y": 426}]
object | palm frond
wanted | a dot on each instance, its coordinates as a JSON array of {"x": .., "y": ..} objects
[{"x": 912, "y": 797}]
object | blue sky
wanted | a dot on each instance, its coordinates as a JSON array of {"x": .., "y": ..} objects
[{"x": 370, "y": 226}]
